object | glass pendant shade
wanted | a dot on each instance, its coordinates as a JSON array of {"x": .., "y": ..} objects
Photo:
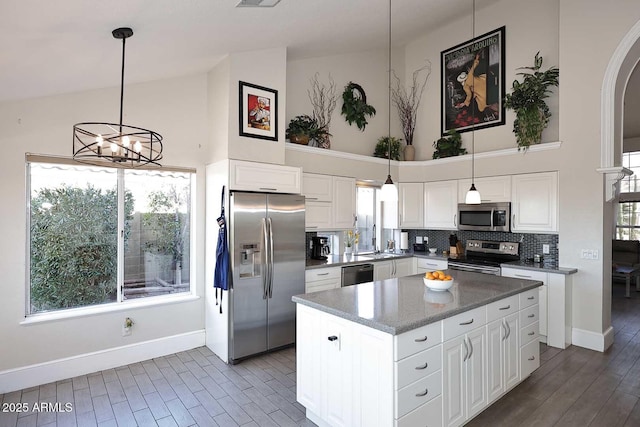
[
  {"x": 473, "y": 196},
  {"x": 389, "y": 192}
]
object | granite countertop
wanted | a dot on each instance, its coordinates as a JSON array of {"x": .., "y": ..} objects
[
  {"x": 398, "y": 305},
  {"x": 549, "y": 267}
]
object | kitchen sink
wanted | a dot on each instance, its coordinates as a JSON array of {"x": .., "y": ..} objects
[{"x": 380, "y": 256}]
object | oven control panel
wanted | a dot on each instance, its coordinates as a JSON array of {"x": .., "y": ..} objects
[{"x": 489, "y": 247}]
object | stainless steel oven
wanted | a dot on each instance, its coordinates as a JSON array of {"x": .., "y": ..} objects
[
  {"x": 483, "y": 256},
  {"x": 484, "y": 217}
]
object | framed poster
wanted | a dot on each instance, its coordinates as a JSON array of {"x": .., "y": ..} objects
[
  {"x": 472, "y": 84},
  {"x": 258, "y": 112}
]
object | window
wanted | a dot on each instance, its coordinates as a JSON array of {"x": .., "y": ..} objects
[
  {"x": 102, "y": 235},
  {"x": 367, "y": 213},
  {"x": 628, "y": 217}
]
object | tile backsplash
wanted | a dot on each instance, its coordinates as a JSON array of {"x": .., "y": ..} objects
[{"x": 530, "y": 244}]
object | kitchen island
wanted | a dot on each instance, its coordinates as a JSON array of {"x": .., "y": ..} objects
[{"x": 394, "y": 353}]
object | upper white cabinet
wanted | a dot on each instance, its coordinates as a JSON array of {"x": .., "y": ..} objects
[
  {"x": 492, "y": 189},
  {"x": 318, "y": 188},
  {"x": 264, "y": 177},
  {"x": 330, "y": 201},
  {"x": 534, "y": 202},
  {"x": 344, "y": 202},
  {"x": 411, "y": 204},
  {"x": 441, "y": 205}
]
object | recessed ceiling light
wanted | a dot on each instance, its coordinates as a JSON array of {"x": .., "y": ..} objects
[{"x": 257, "y": 3}]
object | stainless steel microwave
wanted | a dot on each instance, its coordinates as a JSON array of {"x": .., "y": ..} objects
[{"x": 484, "y": 217}]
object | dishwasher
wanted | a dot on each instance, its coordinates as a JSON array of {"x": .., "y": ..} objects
[{"x": 354, "y": 274}]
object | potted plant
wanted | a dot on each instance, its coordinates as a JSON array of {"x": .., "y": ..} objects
[
  {"x": 304, "y": 128},
  {"x": 355, "y": 107},
  {"x": 382, "y": 148},
  {"x": 407, "y": 102},
  {"x": 527, "y": 100},
  {"x": 449, "y": 145}
]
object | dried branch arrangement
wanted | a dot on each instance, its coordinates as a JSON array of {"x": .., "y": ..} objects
[
  {"x": 407, "y": 101},
  {"x": 323, "y": 99}
]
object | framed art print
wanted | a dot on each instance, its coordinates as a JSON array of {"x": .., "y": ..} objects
[
  {"x": 472, "y": 84},
  {"x": 258, "y": 112}
]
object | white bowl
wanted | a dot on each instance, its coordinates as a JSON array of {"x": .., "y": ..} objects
[
  {"x": 438, "y": 285},
  {"x": 433, "y": 250}
]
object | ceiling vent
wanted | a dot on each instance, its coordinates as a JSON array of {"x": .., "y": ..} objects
[{"x": 257, "y": 3}]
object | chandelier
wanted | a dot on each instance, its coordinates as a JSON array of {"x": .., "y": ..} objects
[{"x": 116, "y": 144}]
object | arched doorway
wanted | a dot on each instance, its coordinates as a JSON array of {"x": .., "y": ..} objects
[{"x": 621, "y": 65}]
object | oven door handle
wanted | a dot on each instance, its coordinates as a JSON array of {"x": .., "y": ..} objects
[{"x": 492, "y": 213}]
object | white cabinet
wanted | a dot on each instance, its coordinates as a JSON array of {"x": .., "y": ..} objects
[
  {"x": 391, "y": 269},
  {"x": 464, "y": 388},
  {"x": 441, "y": 205},
  {"x": 534, "y": 202},
  {"x": 411, "y": 204},
  {"x": 492, "y": 189},
  {"x": 503, "y": 355},
  {"x": 330, "y": 202},
  {"x": 554, "y": 299},
  {"x": 344, "y": 202},
  {"x": 425, "y": 265},
  {"x": 264, "y": 177},
  {"x": 321, "y": 279}
]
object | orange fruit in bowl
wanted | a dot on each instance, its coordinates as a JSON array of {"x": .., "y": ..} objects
[{"x": 430, "y": 276}]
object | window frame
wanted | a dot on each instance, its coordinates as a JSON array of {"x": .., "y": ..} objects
[{"x": 121, "y": 303}]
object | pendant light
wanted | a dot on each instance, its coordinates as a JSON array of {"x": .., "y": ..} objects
[
  {"x": 116, "y": 144},
  {"x": 389, "y": 191},
  {"x": 473, "y": 195}
]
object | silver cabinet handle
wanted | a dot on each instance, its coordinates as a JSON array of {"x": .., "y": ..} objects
[
  {"x": 523, "y": 276},
  {"x": 531, "y": 297},
  {"x": 531, "y": 316},
  {"x": 466, "y": 323},
  {"x": 455, "y": 220},
  {"x": 311, "y": 198},
  {"x": 426, "y": 390},
  {"x": 470, "y": 348},
  {"x": 311, "y": 226},
  {"x": 421, "y": 339},
  {"x": 532, "y": 358},
  {"x": 322, "y": 274},
  {"x": 505, "y": 308},
  {"x": 504, "y": 326},
  {"x": 419, "y": 368},
  {"x": 466, "y": 350},
  {"x": 531, "y": 333},
  {"x": 268, "y": 189},
  {"x": 513, "y": 219},
  {"x": 332, "y": 338},
  {"x": 508, "y": 329}
]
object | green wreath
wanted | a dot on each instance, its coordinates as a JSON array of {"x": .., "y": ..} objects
[{"x": 354, "y": 107}]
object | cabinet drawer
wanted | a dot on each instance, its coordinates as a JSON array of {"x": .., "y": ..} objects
[
  {"x": 417, "y": 340},
  {"x": 524, "y": 274},
  {"x": 529, "y": 298},
  {"x": 321, "y": 274},
  {"x": 432, "y": 264},
  {"x": 529, "y": 315},
  {"x": 419, "y": 365},
  {"x": 428, "y": 415},
  {"x": 464, "y": 322},
  {"x": 529, "y": 333},
  {"x": 418, "y": 393},
  {"x": 529, "y": 359},
  {"x": 502, "y": 308}
]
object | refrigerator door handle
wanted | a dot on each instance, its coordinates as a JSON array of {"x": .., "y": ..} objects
[
  {"x": 265, "y": 265},
  {"x": 270, "y": 258}
]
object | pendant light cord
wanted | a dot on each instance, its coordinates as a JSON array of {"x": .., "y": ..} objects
[
  {"x": 389, "y": 92},
  {"x": 473, "y": 102},
  {"x": 124, "y": 40}
]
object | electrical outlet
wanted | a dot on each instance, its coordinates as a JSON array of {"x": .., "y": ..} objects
[
  {"x": 545, "y": 249},
  {"x": 589, "y": 254},
  {"x": 419, "y": 239}
]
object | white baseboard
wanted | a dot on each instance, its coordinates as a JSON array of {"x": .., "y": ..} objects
[
  {"x": 69, "y": 367},
  {"x": 592, "y": 340}
]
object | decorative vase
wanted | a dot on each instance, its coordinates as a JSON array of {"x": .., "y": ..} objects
[
  {"x": 299, "y": 139},
  {"x": 409, "y": 152},
  {"x": 348, "y": 250}
]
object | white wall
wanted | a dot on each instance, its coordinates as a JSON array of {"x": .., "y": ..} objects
[{"x": 176, "y": 109}]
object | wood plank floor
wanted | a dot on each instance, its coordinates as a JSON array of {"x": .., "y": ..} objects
[{"x": 574, "y": 387}]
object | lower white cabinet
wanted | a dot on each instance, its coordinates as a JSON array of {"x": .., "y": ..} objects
[
  {"x": 383, "y": 270},
  {"x": 503, "y": 356},
  {"x": 425, "y": 265},
  {"x": 322, "y": 279},
  {"x": 464, "y": 388},
  {"x": 554, "y": 299}
]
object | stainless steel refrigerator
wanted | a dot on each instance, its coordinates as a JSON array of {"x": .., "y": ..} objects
[{"x": 267, "y": 248}]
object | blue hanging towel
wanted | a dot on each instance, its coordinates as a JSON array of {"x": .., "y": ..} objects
[{"x": 221, "y": 276}]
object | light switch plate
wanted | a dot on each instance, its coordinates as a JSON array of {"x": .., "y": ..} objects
[{"x": 545, "y": 249}]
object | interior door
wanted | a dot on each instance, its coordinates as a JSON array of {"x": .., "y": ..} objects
[
  {"x": 248, "y": 334},
  {"x": 285, "y": 217}
]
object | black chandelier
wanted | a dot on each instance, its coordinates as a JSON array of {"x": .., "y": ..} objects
[{"x": 116, "y": 144}]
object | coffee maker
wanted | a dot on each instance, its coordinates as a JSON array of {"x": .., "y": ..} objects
[{"x": 320, "y": 247}]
